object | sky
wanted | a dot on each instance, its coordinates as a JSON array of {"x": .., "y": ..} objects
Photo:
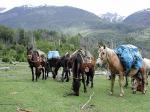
[{"x": 122, "y": 7}]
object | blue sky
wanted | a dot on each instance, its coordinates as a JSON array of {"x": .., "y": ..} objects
[{"x": 122, "y": 7}]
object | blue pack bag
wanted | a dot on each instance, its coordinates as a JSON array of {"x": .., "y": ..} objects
[
  {"x": 129, "y": 56},
  {"x": 53, "y": 54}
]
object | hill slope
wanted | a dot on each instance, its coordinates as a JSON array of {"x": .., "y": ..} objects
[
  {"x": 48, "y": 17},
  {"x": 139, "y": 19}
]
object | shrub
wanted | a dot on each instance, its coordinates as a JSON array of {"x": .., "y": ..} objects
[{"x": 6, "y": 59}]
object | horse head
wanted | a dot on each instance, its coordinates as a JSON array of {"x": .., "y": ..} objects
[
  {"x": 102, "y": 51},
  {"x": 76, "y": 86},
  {"x": 29, "y": 53}
]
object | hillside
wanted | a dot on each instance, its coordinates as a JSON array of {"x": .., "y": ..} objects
[
  {"x": 74, "y": 21},
  {"x": 139, "y": 19},
  {"x": 48, "y": 17}
]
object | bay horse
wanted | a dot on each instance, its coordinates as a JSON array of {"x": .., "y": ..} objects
[
  {"x": 109, "y": 56},
  {"x": 37, "y": 60},
  {"x": 80, "y": 67}
]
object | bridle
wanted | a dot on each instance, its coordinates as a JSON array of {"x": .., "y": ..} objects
[{"x": 101, "y": 53}]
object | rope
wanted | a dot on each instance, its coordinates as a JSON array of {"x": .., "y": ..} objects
[{"x": 88, "y": 101}]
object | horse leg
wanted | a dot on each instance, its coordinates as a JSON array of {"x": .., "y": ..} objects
[
  {"x": 91, "y": 79},
  {"x": 46, "y": 73},
  {"x": 83, "y": 81},
  {"x": 126, "y": 84},
  {"x": 145, "y": 82},
  {"x": 36, "y": 74},
  {"x": 112, "y": 83},
  {"x": 32, "y": 73},
  {"x": 43, "y": 71},
  {"x": 87, "y": 80},
  {"x": 121, "y": 81},
  {"x": 62, "y": 78},
  {"x": 131, "y": 74},
  {"x": 67, "y": 77}
]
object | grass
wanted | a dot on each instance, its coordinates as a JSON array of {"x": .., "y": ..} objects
[{"x": 17, "y": 90}]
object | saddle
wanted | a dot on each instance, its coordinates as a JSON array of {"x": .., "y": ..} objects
[{"x": 86, "y": 56}]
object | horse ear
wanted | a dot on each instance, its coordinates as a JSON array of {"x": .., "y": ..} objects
[{"x": 104, "y": 46}]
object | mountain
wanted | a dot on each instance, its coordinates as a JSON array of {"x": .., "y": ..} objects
[
  {"x": 48, "y": 17},
  {"x": 112, "y": 17},
  {"x": 2, "y": 9},
  {"x": 139, "y": 19}
]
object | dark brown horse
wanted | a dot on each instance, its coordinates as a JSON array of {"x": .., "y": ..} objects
[
  {"x": 51, "y": 64},
  {"x": 36, "y": 60},
  {"x": 66, "y": 63},
  {"x": 81, "y": 66}
]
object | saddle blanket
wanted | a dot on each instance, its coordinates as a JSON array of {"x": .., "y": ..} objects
[{"x": 129, "y": 56}]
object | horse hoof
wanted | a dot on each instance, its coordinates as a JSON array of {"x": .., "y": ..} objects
[
  {"x": 126, "y": 86},
  {"x": 134, "y": 92},
  {"x": 67, "y": 80},
  {"x": 144, "y": 92},
  {"x": 121, "y": 95},
  {"x": 85, "y": 91},
  {"x": 111, "y": 93}
]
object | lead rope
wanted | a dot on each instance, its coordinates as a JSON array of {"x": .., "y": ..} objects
[{"x": 87, "y": 101}]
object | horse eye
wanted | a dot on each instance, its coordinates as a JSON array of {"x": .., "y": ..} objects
[{"x": 103, "y": 53}]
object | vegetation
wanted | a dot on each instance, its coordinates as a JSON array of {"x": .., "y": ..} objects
[
  {"x": 14, "y": 42},
  {"x": 17, "y": 90}
]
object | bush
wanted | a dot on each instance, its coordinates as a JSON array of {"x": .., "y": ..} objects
[
  {"x": 21, "y": 58},
  {"x": 6, "y": 59}
]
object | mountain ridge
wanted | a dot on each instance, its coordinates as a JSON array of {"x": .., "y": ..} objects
[{"x": 48, "y": 17}]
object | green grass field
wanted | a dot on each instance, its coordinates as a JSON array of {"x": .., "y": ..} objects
[{"x": 18, "y": 91}]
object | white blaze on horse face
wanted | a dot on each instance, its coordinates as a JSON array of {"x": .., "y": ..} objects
[{"x": 102, "y": 53}]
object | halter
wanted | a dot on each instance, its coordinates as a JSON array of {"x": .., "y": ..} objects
[{"x": 106, "y": 56}]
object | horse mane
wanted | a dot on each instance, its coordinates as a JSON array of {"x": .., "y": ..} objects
[{"x": 110, "y": 52}]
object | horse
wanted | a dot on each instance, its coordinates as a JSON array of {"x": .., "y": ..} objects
[
  {"x": 65, "y": 63},
  {"x": 110, "y": 57},
  {"x": 51, "y": 64},
  {"x": 81, "y": 65},
  {"x": 36, "y": 59},
  {"x": 147, "y": 62}
]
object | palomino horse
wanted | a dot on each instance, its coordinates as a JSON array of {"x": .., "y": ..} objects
[
  {"x": 109, "y": 56},
  {"x": 80, "y": 67},
  {"x": 37, "y": 60}
]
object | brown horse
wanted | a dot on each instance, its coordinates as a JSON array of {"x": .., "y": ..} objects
[
  {"x": 64, "y": 62},
  {"x": 82, "y": 65},
  {"x": 109, "y": 56},
  {"x": 37, "y": 60}
]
